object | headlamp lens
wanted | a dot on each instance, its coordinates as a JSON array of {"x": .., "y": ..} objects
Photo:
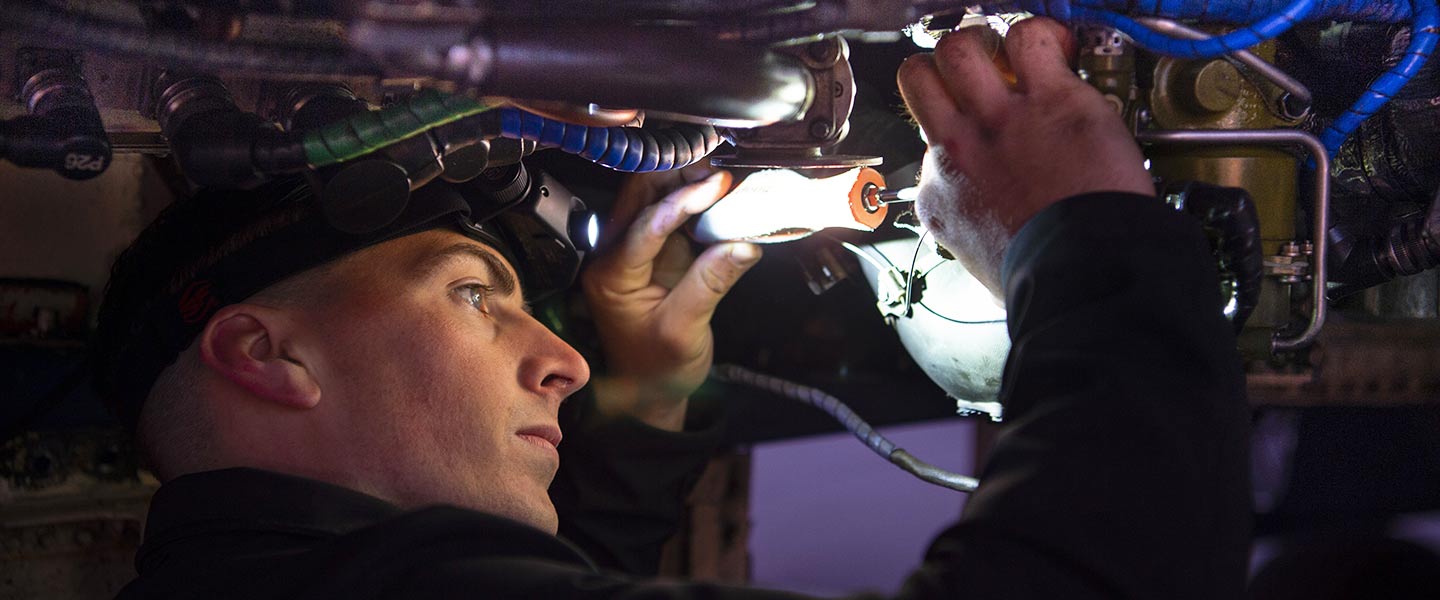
[{"x": 592, "y": 231}]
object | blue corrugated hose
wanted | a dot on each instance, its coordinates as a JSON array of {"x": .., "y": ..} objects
[
  {"x": 629, "y": 149},
  {"x": 1240, "y": 39},
  {"x": 1423, "y": 35},
  {"x": 1276, "y": 16},
  {"x": 1235, "y": 12}
]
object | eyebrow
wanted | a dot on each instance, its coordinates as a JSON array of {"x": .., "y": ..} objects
[{"x": 500, "y": 275}]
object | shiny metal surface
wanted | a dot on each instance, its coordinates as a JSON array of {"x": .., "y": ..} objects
[
  {"x": 1270, "y": 72},
  {"x": 1321, "y": 210},
  {"x": 781, "y": 161},
  {"x": 665, "y": 69}
]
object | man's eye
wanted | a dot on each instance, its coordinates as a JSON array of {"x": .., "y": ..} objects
[{"x": 477, "y": 294}]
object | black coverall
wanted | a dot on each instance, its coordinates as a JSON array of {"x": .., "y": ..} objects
[{"x": 1121, "y": 471}]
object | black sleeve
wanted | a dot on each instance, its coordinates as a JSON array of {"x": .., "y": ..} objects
[
  {"x": 1122, "y": 471},
  {"x": 1122, "y": 468},
  {"x": 622, "y": 484}
]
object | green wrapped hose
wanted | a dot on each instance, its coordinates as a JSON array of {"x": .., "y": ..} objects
[{"x": 372, "y": 130}]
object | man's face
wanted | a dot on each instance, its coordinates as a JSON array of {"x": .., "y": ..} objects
[{"x": 442, "y": 386}]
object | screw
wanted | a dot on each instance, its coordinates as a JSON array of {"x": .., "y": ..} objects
[
  {"x": 821, "y": 129},
  {"x": 838, "y": 89},
  {"x": 1144, "y": 117}
]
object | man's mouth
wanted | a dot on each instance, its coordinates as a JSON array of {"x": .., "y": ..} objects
[{"x": 547, "y": 435}]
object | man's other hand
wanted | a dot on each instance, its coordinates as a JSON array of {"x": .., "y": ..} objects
[
  {"x": 652, "y": 299},
  {"x": 1001, "y": 152}
]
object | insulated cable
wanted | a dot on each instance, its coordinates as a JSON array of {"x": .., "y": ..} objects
[{"x": 851, "y": 421}]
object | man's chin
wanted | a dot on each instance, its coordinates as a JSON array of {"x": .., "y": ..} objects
[
  {"x": 544, "y": 518},
  {"x": 535, "y": 511}
]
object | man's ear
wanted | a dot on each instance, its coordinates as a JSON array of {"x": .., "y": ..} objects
[{"x": 245, "y": 343}]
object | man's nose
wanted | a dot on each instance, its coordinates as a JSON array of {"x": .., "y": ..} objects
[{"x": 552, "y": 367}]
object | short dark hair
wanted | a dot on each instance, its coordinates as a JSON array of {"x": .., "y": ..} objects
[{"x": 190, "y": 236}]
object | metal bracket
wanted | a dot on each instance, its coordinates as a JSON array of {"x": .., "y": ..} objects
[{"x": 802, "y": 144}]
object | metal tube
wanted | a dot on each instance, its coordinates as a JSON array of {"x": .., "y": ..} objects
[
  {"x": 1274, "y": 74},
  {"x": 674, "y": 70},
  {"x": 1321, "y": 208}
]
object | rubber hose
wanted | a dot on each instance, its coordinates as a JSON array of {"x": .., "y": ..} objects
[
  {"x": 1230, "y": 220},
  {"x": 1409, "y": 246},
  {"x": 369, "y": 131},
  {"x": 1211, "y": 47},
  {"x": 629, "y": 149},
  {"x": 1423, "y": 36}
]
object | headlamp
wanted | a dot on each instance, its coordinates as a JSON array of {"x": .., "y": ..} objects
[
  {"x": 527, "y": 219},
  {"x": 547, "y": 229}
]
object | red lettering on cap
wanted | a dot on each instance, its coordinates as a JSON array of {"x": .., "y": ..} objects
[{"x": 197, "y": 302}]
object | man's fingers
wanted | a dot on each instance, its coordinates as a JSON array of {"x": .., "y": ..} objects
[
  {"x": 966, "y": 64},
  {"x": 636, "y": 192},
  {"x": 926, "y": 97},
  {"x": 641, "y": 190},
  {"x": 1040, "y": 51},
  {"x": 712, "y": 275},
  {"x": 629, "y": 265}
]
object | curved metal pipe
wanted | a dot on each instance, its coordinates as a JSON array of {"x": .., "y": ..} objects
[
  {"x": 669, "y": 69},
  {"x": 1321, "y": 208},
  {"x": 51, "y": 26},
  {"x": 1270, "y": 72}
]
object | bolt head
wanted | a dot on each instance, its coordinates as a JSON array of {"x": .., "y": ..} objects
[{"x": 821, "y": 129}]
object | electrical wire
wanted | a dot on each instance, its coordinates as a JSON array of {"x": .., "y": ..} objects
[
  {"x": 890, "y": 266},
  {"x": 1423, "y": 36},
  {"x": 851, "y": 421},
  {"x": 910, "y": 275},
  {"x": 857, "y": 251},
  {"x": 932, "y": 311},
  {"x": 1213, "y": 47}
]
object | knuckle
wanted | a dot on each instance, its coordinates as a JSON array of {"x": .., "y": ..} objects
[
  {"x": 672, "y": 340},
  {"x": 715, "y": 280},
  {"x": 596, "y": 284}
]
